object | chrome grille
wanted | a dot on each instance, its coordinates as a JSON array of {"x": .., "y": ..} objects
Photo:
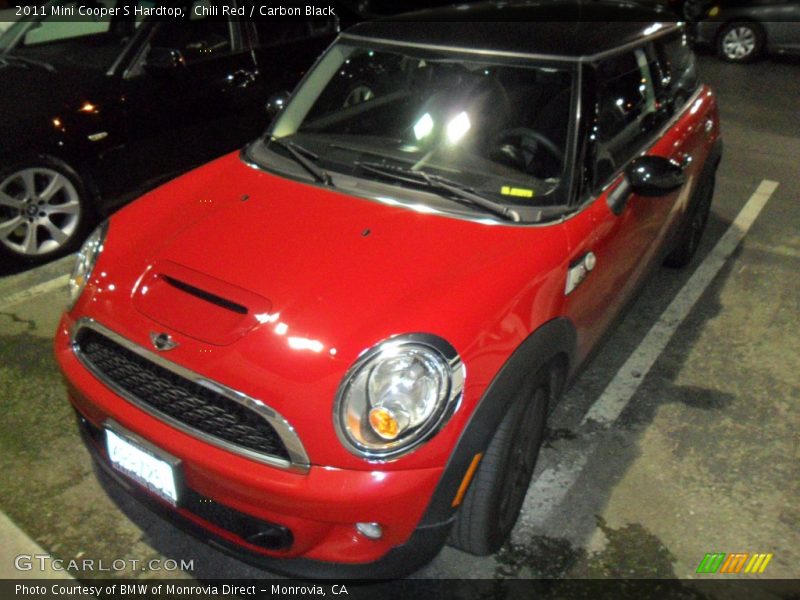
[{"x": 193, "y": 404}]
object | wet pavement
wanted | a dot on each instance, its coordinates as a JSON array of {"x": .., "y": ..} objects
[{"x": 704, "y": 458}]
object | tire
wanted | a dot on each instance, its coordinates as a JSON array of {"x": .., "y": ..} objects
[
  {"x": 693, "y": 227},
  {"x": 740, "y": 42},
  {"x": 494, "y": 499},
  {"x": 45, "y": 210}
]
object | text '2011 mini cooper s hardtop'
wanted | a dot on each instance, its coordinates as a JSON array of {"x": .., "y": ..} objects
[{"x": 335, "y": 351}]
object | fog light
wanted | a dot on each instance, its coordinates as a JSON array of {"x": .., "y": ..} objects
[{"x": 373, "y": 531}]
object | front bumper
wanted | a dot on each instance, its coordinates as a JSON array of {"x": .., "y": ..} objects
[{"x": 295, "y": 523}]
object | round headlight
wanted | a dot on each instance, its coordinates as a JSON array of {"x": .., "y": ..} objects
[
  {"x": 397, "y": 395},
  {"x": 87, "y": 257}
]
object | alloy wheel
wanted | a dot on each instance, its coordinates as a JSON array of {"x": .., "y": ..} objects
[
  {"x": 739, "y": 43},
  {"x": 40, "y": 210}
]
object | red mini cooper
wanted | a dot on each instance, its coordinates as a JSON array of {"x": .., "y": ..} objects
[{"x": 336, "y": 350}]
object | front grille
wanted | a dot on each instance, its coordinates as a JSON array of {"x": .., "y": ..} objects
[{"x": 190, "y": 404}]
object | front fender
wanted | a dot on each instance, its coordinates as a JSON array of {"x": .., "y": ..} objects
[{"x": 555, "y": 339}]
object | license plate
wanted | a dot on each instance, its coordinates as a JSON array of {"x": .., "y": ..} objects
[{"x": 143, "y": 467}]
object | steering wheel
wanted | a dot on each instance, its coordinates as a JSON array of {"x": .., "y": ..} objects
[{"x": 520, "y": 147}]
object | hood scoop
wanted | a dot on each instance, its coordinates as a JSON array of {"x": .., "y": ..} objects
[{"x": 198, "y": 305}]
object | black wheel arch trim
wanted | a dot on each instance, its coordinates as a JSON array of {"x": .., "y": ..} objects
[
  {"x": 711, "y": 163},
  {"x": 554, "y": 338},
  {"x": 76, "y": 169}
]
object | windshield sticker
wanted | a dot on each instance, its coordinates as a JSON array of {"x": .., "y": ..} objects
[{"x": 507, "y": 190}]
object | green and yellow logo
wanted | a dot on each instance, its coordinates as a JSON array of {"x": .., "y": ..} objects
[{"x": 738, "y": 562}]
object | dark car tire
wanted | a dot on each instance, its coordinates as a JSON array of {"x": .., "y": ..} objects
[
  {"x": 693, "y": 226},
  {"x": 64, "y": 217},
  {"x": 740, "y": 42},
  {"x": 494, "y": 499}
]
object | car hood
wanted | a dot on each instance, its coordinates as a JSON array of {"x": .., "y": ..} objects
[{"x": 232, "y": 249}]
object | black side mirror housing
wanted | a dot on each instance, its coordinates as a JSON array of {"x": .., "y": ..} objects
[
  {"x": 276, "y": 103},
  {"x": 646, "y": 176},
  {"x": 654, "y": 176},
  {"x": 162, "y": 60}
]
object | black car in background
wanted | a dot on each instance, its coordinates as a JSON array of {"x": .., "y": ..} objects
[
  {"x": 96, "y": 110},
  {"x": 743, "y": 30}
]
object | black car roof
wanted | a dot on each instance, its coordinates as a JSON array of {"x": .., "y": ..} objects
[{"x": 566, "y": 30}]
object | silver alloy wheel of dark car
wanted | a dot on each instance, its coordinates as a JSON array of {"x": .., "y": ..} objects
[
  {"x": 740, "y": 42},
  {"x": 40, "y": 211}
]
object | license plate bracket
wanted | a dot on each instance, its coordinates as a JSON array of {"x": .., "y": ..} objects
[{"x": 138, "y": 460}]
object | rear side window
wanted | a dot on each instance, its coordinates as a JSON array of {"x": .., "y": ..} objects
[
  {"x": 628, "y": 110},
  {"x": 679, "y": 69}
]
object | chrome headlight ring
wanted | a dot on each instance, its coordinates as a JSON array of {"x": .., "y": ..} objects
[{"x": 398, "y": 395}]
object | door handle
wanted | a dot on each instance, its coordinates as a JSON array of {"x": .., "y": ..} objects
[{"x": 618, "y": 197}]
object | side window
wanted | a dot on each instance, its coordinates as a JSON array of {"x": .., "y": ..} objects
[
  {"x": 628, "y": 111},
  {"x": 679, "y": 68},
  {"x": 200, "y": 36},
  {"x": 91, "y": 41},
  {"x": 55, "y": 29}
]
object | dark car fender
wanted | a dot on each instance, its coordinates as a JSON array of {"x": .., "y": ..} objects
[{"x": 52, "y": 138}]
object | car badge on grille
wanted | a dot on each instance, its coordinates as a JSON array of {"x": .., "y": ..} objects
[{"x": 162, "y": 341}]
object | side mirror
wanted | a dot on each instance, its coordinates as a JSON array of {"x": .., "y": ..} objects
[
  {"x": 164, "y": 60},
  {"x": 654, "y": 176},
  {"x": 276, "y": 103}
]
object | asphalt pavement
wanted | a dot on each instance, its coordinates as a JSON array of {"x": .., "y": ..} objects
[{"x": 679, "y": 439}]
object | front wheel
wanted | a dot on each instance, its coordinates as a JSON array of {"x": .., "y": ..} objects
[
  {"x": 44, "y": 211},
  {"x": 494, "y": 500}
]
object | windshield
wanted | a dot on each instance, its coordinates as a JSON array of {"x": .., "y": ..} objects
[
  {"x": 498, "y": 129},
  {"x": 85, "y": 34}
]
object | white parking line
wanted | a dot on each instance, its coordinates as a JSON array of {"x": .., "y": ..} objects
[
  {"x": 551, "y": 487},
  {"x": 13, "y": 543},
  {"x": 621, "y": 389},
  {"x": 33, "y": 291}
]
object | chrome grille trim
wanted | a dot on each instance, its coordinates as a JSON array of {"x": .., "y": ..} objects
[{"x": 298, "y": 462}]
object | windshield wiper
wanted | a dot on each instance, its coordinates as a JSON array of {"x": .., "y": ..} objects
[
  {"x": 304, "y": 158},
  {"x": 440, "y": 184},
  {"x": 6, "y": 57}
]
